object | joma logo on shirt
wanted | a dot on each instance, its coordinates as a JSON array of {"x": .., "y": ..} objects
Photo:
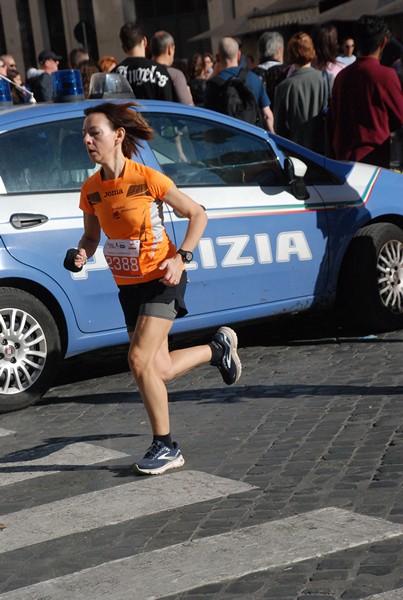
[{"x": 113, "y": 193}]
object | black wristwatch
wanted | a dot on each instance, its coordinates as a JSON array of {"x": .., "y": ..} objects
[{"x": 186, "y": 255}]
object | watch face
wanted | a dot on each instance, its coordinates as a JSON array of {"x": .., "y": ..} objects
[{"x": 186, "y": 255}]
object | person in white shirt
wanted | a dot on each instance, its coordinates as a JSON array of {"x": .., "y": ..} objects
[{"x": 348, "y": 56}]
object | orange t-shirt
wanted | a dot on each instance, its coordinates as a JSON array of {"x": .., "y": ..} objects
[{"x": 130, "y": 208}]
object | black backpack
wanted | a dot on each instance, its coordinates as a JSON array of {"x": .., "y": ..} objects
[
  {"x": 235, "y": 99},
  {"x": 271, "y": 78}
]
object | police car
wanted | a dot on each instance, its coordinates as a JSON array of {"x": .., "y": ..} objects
[{"x": 288, "y": 231}]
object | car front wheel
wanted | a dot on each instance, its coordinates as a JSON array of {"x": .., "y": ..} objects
[
  {"x": 30, "y": 349},
  {"x": 374, "y": 283}
]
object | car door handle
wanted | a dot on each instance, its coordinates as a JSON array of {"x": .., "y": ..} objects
[{"x": 26, "y": 220}]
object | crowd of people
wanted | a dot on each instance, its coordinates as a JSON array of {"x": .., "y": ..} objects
[
  {"x": 38, "y": 80},
  {"x": 343, "y": 99}
]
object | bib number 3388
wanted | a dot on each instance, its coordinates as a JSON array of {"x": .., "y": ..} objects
[{"x": 122, "y": 257}]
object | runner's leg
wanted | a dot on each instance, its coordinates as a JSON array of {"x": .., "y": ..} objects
[
  {"x": 150, "y": 334},
  {"x": 176, "y": 363},
  {"x": 152, "y": 364}
]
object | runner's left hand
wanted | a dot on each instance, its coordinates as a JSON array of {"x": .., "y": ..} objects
[{"x": 173, "y": 270}]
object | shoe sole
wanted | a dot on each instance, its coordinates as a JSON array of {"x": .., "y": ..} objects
[
  {"x": 174, "y": 464},
  {"x": 234, "y": 346}
]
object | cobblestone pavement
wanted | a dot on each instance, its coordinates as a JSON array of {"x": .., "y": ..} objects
[{"x": 314, "y": 422}]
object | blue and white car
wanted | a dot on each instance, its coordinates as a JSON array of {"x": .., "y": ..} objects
[{"x": 288, "y": 231}]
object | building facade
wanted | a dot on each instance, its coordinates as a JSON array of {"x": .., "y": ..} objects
[{"x": 29, "y": 26}]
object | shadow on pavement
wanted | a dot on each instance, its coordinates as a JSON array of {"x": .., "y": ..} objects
[
  {"x": 288, "y": 330},
  {"x": 236, "y": 395}
]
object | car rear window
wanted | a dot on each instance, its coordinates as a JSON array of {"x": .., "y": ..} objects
[{"x": 46, "y": 157}]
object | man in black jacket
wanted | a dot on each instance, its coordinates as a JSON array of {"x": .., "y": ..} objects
[{"x": 148, "y": 79}]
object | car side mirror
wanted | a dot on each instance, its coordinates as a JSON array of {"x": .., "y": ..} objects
[{"x": 295, "y": 171}]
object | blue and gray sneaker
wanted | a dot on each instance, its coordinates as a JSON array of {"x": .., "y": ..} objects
[
  {"x": 229, "y": 366},
  {"x": 158, "y": 459}
]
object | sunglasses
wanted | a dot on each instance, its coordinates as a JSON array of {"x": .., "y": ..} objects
[{"x": 349, "y": 45}]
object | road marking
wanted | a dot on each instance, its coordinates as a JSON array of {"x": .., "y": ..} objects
[
  {"x": 58, "y": 458},
  {"x": 393, "y": 595},
  {"x": 216, "y": 559},
  {"x": 4, "y": 432},
  {"x": 118, "y": 504}
]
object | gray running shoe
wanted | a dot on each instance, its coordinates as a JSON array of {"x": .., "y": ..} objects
[
  {"x": 158, "y": 459},
  {"x": 230, "y": 365}
]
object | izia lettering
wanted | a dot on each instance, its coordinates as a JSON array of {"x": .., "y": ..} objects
[{"x": 241, "y": 251}]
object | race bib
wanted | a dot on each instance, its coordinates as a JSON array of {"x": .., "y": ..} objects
[{"x": 122, "y": 257}]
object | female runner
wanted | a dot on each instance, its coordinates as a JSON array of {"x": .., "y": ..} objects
[{"x": 124, "y": 200}]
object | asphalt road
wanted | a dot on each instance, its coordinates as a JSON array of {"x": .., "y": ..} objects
[{"x": 291, "y": 488}]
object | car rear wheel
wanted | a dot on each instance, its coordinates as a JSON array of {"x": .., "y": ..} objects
[
  {"x": 373, "y": 284},
  {"x": 30, "y": 349}
]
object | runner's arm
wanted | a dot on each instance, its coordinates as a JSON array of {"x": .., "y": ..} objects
[
  {"x": 90, "y": 239},
  {"x": 183, "y": 204}
]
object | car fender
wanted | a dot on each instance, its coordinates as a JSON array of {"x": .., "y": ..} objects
[
  {"x": 376, "y": 203},
  {"x": 18, "y": 275}
]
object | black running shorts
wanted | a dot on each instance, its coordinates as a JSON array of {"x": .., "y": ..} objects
[{"x": 153, "y": 298}]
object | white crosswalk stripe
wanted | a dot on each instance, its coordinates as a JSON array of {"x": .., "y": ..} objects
[
  {"x": 111, "y": 506},
  {"x": 218, "y": 558},
  {"x": 4, "y": 432},
  {"x": 177, "y": 568},
  {"x": 57, "y": 458},
  {"x": 393, "y": 595}
]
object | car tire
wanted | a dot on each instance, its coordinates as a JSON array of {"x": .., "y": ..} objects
[
  {"x": 30, "y": 349},
  {"x": 373, "y": 277}
]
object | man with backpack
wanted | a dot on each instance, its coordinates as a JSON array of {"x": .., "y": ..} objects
[
  {"x": 236, "y": 91},
  {"x": 271, "y": 68}
]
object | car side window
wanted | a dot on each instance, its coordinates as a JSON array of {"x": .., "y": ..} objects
[
  {"x": 44, "y": 158},
  {"x": 194, "y": 151}
]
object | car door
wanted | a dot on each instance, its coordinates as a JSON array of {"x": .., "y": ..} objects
[
  {"x": 263, "y": 249},
  {"x": 42, "y": 167}
]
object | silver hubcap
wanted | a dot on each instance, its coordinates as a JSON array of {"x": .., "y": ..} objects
[
  {"x": 23, "y": 351},
  {"x": 390, "y": 276}
]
